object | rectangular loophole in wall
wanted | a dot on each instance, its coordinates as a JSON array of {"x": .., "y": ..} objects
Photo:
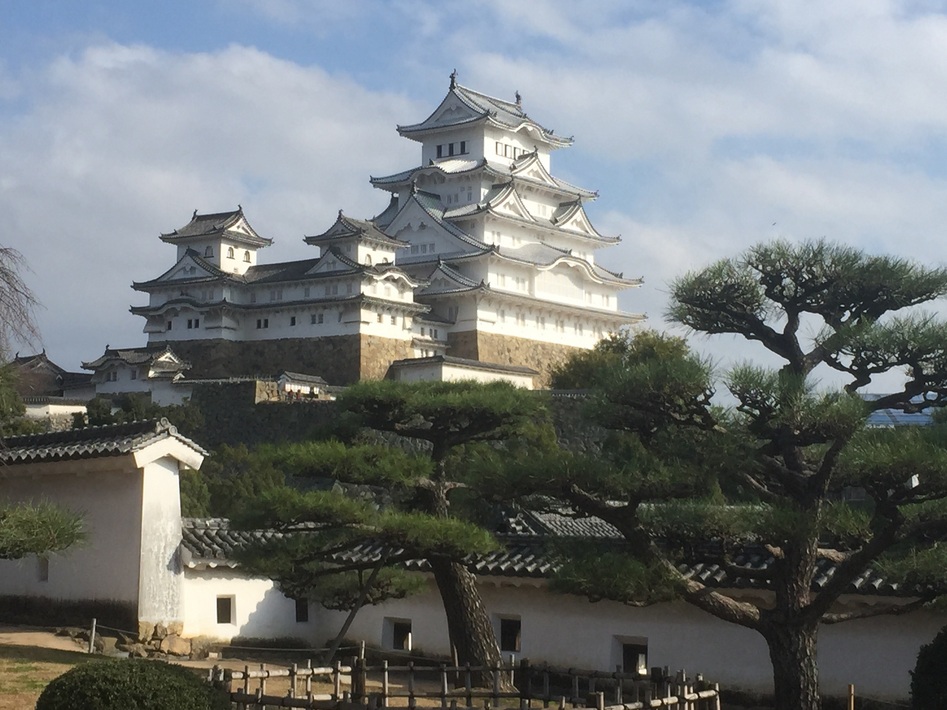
[
  {"x": 225, "y": 610},
  {"x": 510, "y": 634}
]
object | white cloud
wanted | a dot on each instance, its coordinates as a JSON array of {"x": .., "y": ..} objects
[{"x": 122, "y": 143}]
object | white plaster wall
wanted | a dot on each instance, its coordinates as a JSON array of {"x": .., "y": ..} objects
[
  {"x": 159, "y": 589},
  {"x": 875, "y": 655},
  {"x": 260, "y": 609},
  {"x": 446, "y": 372},
  {"x": 104, "y": 566}
]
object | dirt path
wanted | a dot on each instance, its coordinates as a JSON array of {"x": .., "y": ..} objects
[{"x": 40, "y": 638}]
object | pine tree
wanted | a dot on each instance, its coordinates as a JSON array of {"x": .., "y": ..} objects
[{"x": 788, "y": 444}]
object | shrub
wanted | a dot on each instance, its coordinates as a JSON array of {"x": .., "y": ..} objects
[
  {"x": 928, "y": 680},
  {"x": 131, "y": 685}
]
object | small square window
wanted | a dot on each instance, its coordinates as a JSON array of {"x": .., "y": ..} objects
[
  {"x": 394, "y": 320},
  {"x": 225, "y": 610},
  {"x": 169, "y": 325},
  {"x": 397, "y": 634},
  {"x": 292, "y": 320}
]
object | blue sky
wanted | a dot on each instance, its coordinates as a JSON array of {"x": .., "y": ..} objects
[{"x": 705, "y": 126}]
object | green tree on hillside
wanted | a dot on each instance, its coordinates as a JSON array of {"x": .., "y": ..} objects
[{"x": 793, "y": 447}]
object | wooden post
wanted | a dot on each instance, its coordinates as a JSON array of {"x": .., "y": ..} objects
[
  {"x": 412, "y": 701},
  {"x": 294, "y": 681},
  {"x": 851, "y": 697},
  {"x": 575, "y": 687},
  {"x": 526, "y": 680},
  {"x": 496, "y": 685},
  {"x": 92, "y": 637},
  {"x": 263, "y": 678},
  {"x": 618, "y": 685},
  {"x": 385, "y": 687},
  {"x": 444, "y": 685},
  {"x": 546, "y": 697},
  {"x": 468, "y": 683},
  {"x": 337, "y": 681},
  {"x": 246, "y": 679},
  {"x": 599, "y": 701}
]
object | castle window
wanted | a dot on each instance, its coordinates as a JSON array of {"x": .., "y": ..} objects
[
  {"x": 450, "y": 149},
  {"x": 499, "y": 148},
  {"x": 414, "y": 248},
  {"x": 292, "y": 320},
  {"x": 463, "y": 147},
  {"x": 262, "y": 323},
  {"x": 440, "y": 151},
  {"x": 434, "y": 333},
  {"x": 209, "y": 252},
  {"x": 306, "y": 292},
  {"x": 348, "y": 287},
  {"x": 230, "y": 252},
  {"x": 134, "y": 374},
  {"x": 246, "y": 256},
  {"x": 252, "y": 297},
  {"x": 169, "y": 325},
  {"x": 380, "y": 317},
  {"x": 394, "y": 320},
  {"x": 276, "y": 294},
  {"x": 193, "y": 323}
]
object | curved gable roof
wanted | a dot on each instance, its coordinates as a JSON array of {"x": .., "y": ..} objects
[
  {"x": 463, "y": 106},
  {"x": 232, "y": 226}
]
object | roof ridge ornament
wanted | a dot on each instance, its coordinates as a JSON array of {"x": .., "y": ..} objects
[
  {"x": 193, "y": 216},
  {"x": 519, "y": 99},
  {"x": 453, "y": 79}
]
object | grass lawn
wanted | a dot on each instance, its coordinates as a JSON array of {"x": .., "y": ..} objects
[{"x": 26, "y": 670}]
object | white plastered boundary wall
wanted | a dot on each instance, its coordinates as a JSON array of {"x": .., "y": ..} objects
[
  {"x": 103, "y": 567},
  {"x": 259, "y": 609},
  {"x": 876, "y": 655}
]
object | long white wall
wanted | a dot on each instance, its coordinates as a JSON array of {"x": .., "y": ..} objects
[{"x": 875, "y": 655}]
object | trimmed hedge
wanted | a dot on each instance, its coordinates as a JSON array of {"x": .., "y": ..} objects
[
  {"x": 928, "y": 679},
  {"x": 131, "y": 685}
]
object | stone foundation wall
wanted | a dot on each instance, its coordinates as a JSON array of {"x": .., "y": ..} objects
[
  {"x": 336, "y": 359},
  {"x": 376, "y": 354},
  {"x": 505, "y": 350}
]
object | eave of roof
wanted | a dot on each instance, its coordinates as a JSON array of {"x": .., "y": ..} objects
[
  {"x": 216, "y": 224},
  {"x": 90, "y": 442}
]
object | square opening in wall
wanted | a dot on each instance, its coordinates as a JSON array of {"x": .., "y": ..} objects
[{"x": 396, "y": 634}]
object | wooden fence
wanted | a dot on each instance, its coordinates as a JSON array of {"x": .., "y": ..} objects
[{"x": 384, "y": 685}]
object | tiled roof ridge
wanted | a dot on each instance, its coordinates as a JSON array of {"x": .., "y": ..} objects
[{"x": 137, "y": 429}]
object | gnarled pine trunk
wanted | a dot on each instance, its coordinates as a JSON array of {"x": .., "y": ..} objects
[
  {"x": 792, "y": 650},
  {"x": 468, "y": 624}
]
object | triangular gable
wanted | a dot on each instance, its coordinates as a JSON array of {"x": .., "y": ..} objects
[
  {"x": 335, "y": 263},
  {"x": 574, "y": 219},
  {"x": 510, "y": 204},
  {"x": 452, "y": 111},
  {"x": 415, "y": 218},
  {"x": 189, "y": 267},
  {"x": 531, "y": 167}
]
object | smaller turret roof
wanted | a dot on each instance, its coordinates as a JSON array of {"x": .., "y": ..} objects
[
  {"x": 351, "y": 228},
  {"x": 232, "y": 226}
]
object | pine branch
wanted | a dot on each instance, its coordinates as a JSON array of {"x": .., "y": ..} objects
[{"x": 880, "y": 610}]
